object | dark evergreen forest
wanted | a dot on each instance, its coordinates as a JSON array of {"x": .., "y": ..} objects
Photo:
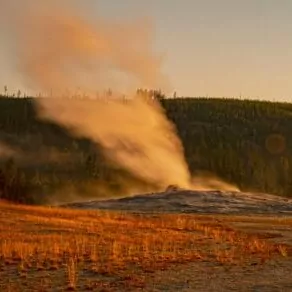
[{"x": 245, "y": 142}]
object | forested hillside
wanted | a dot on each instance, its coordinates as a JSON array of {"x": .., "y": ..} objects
[{"x": 247, "y": 143}]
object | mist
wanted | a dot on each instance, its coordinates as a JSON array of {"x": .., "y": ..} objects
[
  {"x": 135, "y": 134},
  {"x": 57, "y": 50},
  {"x": 6, "y": 151}
]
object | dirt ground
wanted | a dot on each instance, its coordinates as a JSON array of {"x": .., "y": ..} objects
[
  {"x": 62, "y": 249},
  {"x": 272, "y": 276},
  {"x": 206, "y": 276}
]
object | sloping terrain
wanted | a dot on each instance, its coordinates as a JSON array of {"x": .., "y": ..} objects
[{"x": 206, "y": 202}]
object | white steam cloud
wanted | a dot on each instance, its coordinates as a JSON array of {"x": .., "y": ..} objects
[{"x": 58, "y": 50}]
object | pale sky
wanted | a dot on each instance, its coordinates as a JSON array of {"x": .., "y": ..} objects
[{"x": 211, "y": 47}]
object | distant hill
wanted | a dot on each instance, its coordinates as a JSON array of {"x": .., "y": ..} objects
[{"x": 245, "y": 142}]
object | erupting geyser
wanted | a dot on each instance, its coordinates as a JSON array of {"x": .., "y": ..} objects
[{"x": 56, "y": 49}]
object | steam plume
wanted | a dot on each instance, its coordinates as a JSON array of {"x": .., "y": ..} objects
[
  {"x": 57, "y": 50},
  {"x": 54, "y": 41},
  {"x": 135, "y": 134},
  {"x": 6, "y": 152}
]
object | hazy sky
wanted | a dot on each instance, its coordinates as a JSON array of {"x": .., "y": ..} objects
[{"x": 212, "y": 47}]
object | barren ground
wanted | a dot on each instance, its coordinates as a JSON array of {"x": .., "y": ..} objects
[{"x": 62, "y": 249}]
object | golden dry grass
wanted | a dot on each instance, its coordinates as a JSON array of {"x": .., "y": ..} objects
[{"x": 62, "y": 249}]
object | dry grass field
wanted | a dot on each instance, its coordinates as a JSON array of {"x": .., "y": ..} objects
[{"x": 54, "y": 249}]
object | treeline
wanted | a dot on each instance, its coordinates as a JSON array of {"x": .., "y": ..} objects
[{"x": 245, "y": 142}]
